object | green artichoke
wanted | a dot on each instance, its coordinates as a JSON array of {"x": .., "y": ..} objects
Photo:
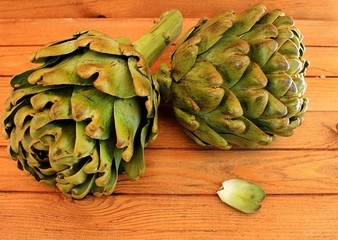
[
  {"x": 238, "y": 79},
  {"x": 89, "y": 110}
]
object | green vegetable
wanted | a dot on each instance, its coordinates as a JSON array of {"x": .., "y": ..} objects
[
  {"x": 89, "y": 110},
  {"x": 238, "y": 79},
  {"x": 241, "y": 195}
]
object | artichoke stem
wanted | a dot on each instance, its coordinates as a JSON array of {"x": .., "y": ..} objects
[{"x": 153, "y": 43}]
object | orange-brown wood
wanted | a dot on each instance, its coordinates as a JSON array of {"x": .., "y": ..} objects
[
  {"x": 51, "y": 216},
  {"x": 42, "y": 31},
  {"x": 175, "y": 199},
  {"x": 192, "y": 171},
  {"x": 302, "y": 9},
  {"x": 323, "y": 60}
]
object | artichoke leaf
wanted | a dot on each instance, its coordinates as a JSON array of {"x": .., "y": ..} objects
[
  {"x": 136, "y": 166},
  {"x": 84, "y": 145},
  {"x": 213, "y": 30},
  {"x": 80, "y": 191},
  {"x": 239, "y": 141},
  {"x": 93, "y": 163},
  {"x": 289, "y": 49},
  {"x": 21, "y": 80},
  {"x": 62, "y": 164},
  {"x": 208, "y": 135},
  {"x": 253, "y": 101},
  {"x": 108, "y": 177},
  {"x": 223, "y": 118},
  {"x": 277, "y": 63},
  {"x": 260, "y": 32},
  {"x": 253, "y": 78},
  {"x": 7, "y": 119},
  {"x": 63, "y": 73},
  {"x": 98, "y": 42},
  {"x": 107, "y": 148},
  {"x": 40, "y": 119},
  {"x": 184, "y": 58},
  {"x": 197, "y": 140},
  {"x": 271, "y": 16},
  {"x": 279, "y": 84},
  {"x": 65, "y": 187},
  {"x": 187, "y": 120},
  {"x": 230, "y": 60},
  {"x": 274, "y": 108},
  {"x": 107, "y": 180},
  {"x": 127, "y": 116},
  {"x": 17, "y": 136},
  {"x": 245, "y": 21},
  {"x": 21, "y": 116},
  {"x": 251, "y": 133},
  {"x": 110, "y": 73},
  {"x": 191, "y": 32},
  {"x": 273, "y": 125},
  {"x": 60, "y": 100},
  {"x": 59, "y": 136},
  {"x": 74, "y": 175},
  {"x": 141, "y": 80},
  {"x": 24, "y": 93},
  {"x": 89, "y": 103},
  {"x": 54, "y": 49},
  {"x": 261, "y": 51},
  {"x": 241, "y": 195},
  {"x": 203, "y": 84}
]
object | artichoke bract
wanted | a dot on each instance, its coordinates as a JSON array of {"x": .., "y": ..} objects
[
  {"x": 88, "y": 111},
  {"x": 238, "y": 79}
]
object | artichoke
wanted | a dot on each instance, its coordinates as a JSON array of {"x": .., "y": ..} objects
[
  {"x": 238, "y": 79},
  {"x": 87, "y": 112}
]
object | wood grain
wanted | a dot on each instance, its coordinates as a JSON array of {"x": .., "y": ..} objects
[
  {"x": 24, "y": 216},
  {"x": 323, "y": 60},
  {"x": 175, "y": 199},
  {"x": 184, "y": 171},
  {"x": 13, "y": 31},
  {"x": 323, "y": 10}
]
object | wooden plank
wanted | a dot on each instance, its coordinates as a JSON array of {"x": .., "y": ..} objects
[
  {"x": 327, "y": 29},
  {"x": 184, "y": 171},
  {"x": 40, "y": 29},
  {"x": 322, "y": 93},
  {"x": 323, "y": 60},
  {"x": 14, "y": 31},
  {"x": 326, "y": 10},
  {"x": 49, "y": 216}
]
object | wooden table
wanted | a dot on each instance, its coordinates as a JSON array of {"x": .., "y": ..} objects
[{"x": 176, "y": 198}]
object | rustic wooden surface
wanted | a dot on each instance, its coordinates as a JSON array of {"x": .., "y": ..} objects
[{"x": 176, "y": 198}]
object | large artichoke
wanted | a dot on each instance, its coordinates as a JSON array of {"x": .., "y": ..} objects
[
  {"x": 238, "y": 79},
  {"x": 89, "y": 110}
]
